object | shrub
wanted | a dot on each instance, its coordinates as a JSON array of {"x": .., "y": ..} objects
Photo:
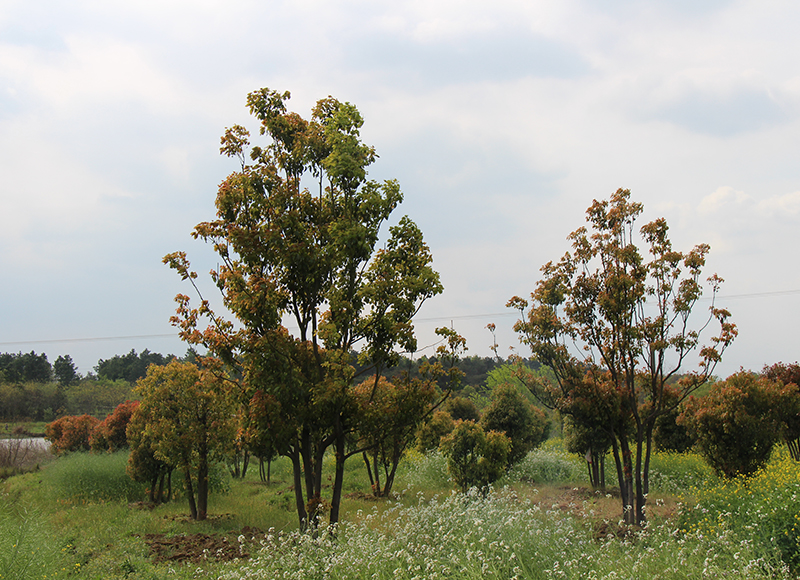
[
  {"x": 430, "y": 434},
  {"x": 525, "y": 425},
  {"x": 70, "y": 433},
  {"x": 110, "y": 434},
  {"x": 475, "y": 458},
  {"x": 462, "y": 408},
  {"x": 737, "y": 423}
]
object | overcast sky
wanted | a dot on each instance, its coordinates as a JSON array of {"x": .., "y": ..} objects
[{"x": 502, "y": 122}]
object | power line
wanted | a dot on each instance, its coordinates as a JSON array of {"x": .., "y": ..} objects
[
  {"x": 429, "y": 319},
  {"x": 93, "y": 339}
]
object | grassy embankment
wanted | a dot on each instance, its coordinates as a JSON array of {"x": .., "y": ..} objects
[{"x": 79, "y": 517}]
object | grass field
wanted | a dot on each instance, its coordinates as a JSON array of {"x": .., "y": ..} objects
[{"x": 81, "y": 517}]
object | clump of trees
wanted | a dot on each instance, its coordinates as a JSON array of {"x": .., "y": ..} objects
[
  {"x": 626, "y": 300},
  {"x": 32, "y": 389},
  {"x": 130, "y": 367}
]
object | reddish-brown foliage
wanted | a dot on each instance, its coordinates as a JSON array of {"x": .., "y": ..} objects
[
  {"x": 70, "y": 433},
  {"x": 109, "y": 435}
]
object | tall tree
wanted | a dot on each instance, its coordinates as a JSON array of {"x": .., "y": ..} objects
[
  {"x": 65, "y": 371},
  {"x": 301, "y": 273},
  {"x": 629, "y": 314}
]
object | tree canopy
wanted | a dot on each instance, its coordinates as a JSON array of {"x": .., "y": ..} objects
[
  {"x": 302, "y": 273},
  {"x": 628, "y": 310}
]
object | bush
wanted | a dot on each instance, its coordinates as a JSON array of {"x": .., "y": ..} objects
[
  {"x": 525, "y": 425},
  {"x": 110, "y": 434},
  {"x": 70, "y": 433},
  {"x": 738, "y": 422},
  {"x": 475, "y": 458},
  {"x": 430, "y": 434}
]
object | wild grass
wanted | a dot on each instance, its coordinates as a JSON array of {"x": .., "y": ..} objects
[
  {"x": 20, "y": 455},
  {"x": 75, "y": 519},
  {"x": 92, "y": 477},
  {"x": 28, "y": 548},
  {"x": 763, "y": 509}
]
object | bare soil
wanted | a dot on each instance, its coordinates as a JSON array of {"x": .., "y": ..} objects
[{"x": 203, "y": 547}]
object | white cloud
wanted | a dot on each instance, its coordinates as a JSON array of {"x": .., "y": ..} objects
[{"x": 723, "y": 198}]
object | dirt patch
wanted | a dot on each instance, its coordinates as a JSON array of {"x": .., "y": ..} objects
[{"x": 203, "y": 547}]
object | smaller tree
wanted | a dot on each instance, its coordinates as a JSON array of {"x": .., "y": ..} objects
[
  {"x": 737, "y": 423},
  {"x": 187, "y": 421},
  {"x": 70, "y": 433},
  {"x": 65, "y": 371},
  {"x": 593, "y": 443},
  {"x": 462, "y": 408},
  {"x": 525, "y": 425},
  {"x": 476, "y": 458},
  {"x": 143, "y": 465},
  {"x": 390, "y": 415}
]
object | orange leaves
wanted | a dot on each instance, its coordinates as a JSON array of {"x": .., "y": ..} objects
[{"x": 70, "y": 433}]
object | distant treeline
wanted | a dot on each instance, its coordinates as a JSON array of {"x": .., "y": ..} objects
[{"x": 32, "y": 388}]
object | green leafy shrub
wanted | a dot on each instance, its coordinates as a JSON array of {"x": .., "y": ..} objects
[
  {"x": 525, "y": 425},
  {"x": 738, "y": 422},
  {"x": 429, "y": 436},
  {"x": 475, "y": 458}
]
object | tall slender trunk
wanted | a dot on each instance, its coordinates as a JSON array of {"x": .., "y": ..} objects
[
  {"x": 202, "y": 482},
  {"x": 365, "y": 456},
  {"x": 640, "y": 492},
  {"x": 628, "y": 501},
  {"x": 299, "y": 500},
  {"x": 187, "y": 475},
  {"x": 338, "y": 480}
]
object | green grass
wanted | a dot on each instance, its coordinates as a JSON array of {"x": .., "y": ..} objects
[
  {"x": 93, "y": 477},
  {"x": 75, "y": 519}
]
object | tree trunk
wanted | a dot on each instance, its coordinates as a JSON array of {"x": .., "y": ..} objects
[
  {"x": 245, "y": 463},
  {"x": 299, "y": 500},
  {"x": 338, "y": 480},
  {"x": 202, "y": 484},
  {"x": 187, "y": 475},
  {"x": 369, "y": 471}
]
